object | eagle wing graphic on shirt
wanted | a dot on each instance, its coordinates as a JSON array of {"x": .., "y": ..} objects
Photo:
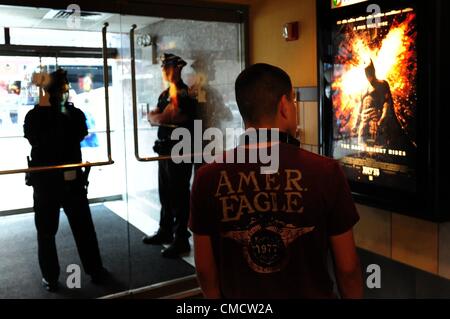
[{"x": 265, "y": 248}]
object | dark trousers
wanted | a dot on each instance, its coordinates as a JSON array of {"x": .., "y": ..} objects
[
  {"x": 174, "y": 194},
  {"x": 50, "y": 194}
]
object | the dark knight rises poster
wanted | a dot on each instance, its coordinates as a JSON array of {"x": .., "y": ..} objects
[{"x": 374, "y": 96}]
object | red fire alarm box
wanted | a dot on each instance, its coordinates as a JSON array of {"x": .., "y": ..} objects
[{"x": 290, "y": 31}]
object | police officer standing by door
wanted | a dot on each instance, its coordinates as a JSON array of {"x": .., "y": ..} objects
[
  {"x": 175, "y": 109},
  {"x": 55, "y": 129}
]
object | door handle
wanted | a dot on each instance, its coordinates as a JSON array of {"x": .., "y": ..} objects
[
  {"x": 54, "y": 167},
  {"x": 106, "y": 84},
  {"x": 134, "y": 103},
  {"x": 108, "y": 126}
]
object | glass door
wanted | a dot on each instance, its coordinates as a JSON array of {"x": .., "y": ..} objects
[
  {"x": 123, "y": 189},
  {"x": 39, "y": 41},
  {"x": 212, "y": 52}
]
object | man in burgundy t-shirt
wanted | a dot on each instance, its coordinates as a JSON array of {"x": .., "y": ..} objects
[{"x": 268, "y": 235}]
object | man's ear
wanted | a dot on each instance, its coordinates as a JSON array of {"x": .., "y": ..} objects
[{"x": 283, "y": 107}]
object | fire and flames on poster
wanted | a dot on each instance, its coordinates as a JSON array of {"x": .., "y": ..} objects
[{"x": 374, "y": 97}]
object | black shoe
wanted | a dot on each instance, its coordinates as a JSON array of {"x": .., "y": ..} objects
[
  {"x": 159, "y": 238},
  {"x": 100, "y": 277},
  {"x": 178, "y": 248},
  {"x": 50, "y": 286}
]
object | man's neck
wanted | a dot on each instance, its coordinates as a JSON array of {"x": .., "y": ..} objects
[{"x": 44, "y": 98}]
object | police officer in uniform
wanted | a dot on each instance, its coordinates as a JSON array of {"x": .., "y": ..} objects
[
  {"x": 175, "y": 109},
  {"x": 55, "y": 131}
]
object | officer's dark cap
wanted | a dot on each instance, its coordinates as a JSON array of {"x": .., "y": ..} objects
[{"x": 169, "y": 59}]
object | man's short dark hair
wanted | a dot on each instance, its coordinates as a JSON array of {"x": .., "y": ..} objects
[{"x": 259, "y": 89}]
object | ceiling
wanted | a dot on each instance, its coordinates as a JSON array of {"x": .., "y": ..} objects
[{"x": 43, "y": 18}]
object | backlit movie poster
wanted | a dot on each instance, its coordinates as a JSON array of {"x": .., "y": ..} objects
[{"x": 374, "y": 97}]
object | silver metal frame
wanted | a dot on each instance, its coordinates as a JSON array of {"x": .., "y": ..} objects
[
  {"x": 108, "y": 127},
  {"x": 106, "y": 84},
  {"x": 152, "y": 288},
  {"x": 51, "y": 51},
  {"x": 134, "y": 99}
]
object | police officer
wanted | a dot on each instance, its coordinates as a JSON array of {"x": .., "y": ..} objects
[
  {"x": 55, "y": 130},
  {"x": 175, "y": 109}
]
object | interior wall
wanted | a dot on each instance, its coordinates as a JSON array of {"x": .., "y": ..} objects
[
  {"x": 412, "y": 241},
  {"x": 267, "y": 45},
  {"x": 297, "y": 58}
]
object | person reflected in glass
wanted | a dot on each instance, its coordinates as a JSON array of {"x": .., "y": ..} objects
[
  {"x": 55, "y": 128},
  {"x": 212, "y": 109}
]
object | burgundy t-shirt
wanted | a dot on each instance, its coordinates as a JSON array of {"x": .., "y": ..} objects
[{"x": 270, "y": 232}]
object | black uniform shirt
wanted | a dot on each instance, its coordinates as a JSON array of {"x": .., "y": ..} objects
[{"x": 55, "y": 136}]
